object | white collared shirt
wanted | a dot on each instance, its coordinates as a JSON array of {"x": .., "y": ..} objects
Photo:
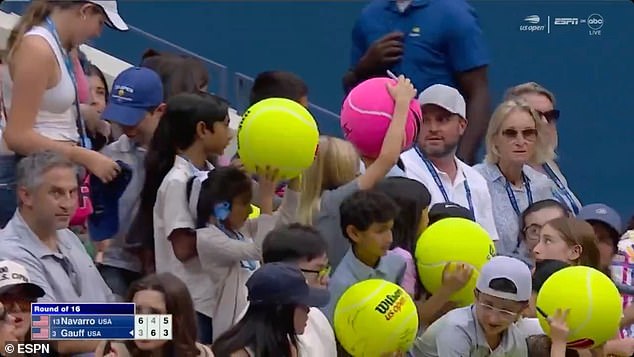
[
  {"x": 171, "y": 211},
  {"x": 416, "y": 169}
]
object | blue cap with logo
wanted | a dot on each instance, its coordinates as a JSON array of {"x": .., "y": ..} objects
[
  {"x": 602, "y": 213},
  {"x": 135, "y": 91}
]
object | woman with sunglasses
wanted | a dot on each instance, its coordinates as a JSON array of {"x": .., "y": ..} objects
[
  {"x": 516, "y": 134},
  {"x": 543, "y": 101},
  {"x": 161, "y": 294}
]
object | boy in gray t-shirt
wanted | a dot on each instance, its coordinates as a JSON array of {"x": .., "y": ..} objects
[{"x": 485, "y": 328}]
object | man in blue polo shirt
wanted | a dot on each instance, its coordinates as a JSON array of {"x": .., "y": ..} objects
[{"x": 430, "y": 42}]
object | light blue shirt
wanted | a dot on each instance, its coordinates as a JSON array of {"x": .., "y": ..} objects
[
  {"x": 129, "y": 152},
  {"x": 68, "y": 275},
  {"x": 564, "y": 194},
  {"x": 351, "y": 270},
  {"x": 506, "y": 219},
  {"x": 458, "y": 334}
]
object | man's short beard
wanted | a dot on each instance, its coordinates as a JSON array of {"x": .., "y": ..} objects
[{"x": 447, "y": 151}]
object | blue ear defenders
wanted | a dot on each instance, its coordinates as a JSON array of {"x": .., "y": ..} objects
[{"x": 222, "y": 210}]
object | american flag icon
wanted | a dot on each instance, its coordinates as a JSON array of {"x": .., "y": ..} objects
[
  {"x": 39, "y": 333},
  {"x": 40, "y": 321}
]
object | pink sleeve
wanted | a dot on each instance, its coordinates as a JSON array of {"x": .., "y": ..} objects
[
  {"x": 408, "y": 283},
  {"x": 409, "y": 278},
  {"x": 83, "y": 88},
  {"x": 224, "y": 160}
]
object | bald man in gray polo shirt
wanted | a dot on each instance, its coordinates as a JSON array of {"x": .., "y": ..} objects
[{"x": 485, "y": 328}]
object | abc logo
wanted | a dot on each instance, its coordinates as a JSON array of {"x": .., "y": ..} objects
[{"x": 595, "y": 21}]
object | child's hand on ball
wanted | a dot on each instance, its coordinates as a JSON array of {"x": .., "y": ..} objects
[
  {"x": 237, "y": 163},
  {"x": 558, "y": 326},
  {"x": 456, "y": 276},
  {"x": 268, "y": 178},
  {"x": 403, "y": 91},
  {"x": 267, "y": 183}
]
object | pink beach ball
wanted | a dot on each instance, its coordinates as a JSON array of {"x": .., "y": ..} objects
[{"x": 366, "y": 115}]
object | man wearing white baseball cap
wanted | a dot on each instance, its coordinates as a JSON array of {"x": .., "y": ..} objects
[
  {"x": 487, "y": 327},
  {"x": 433, "y": 162}
]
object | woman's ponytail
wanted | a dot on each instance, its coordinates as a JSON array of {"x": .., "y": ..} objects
[{"x": 35, "y": 14}]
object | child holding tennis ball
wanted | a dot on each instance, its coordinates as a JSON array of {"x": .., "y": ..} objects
[
  {"x": 487, "y": 327},
  {"x": 555, "y": 344},
  {"x": 228, "y": 243},
  {"x": 367, "y": 218},
  {"x": 334, "y": 175}
]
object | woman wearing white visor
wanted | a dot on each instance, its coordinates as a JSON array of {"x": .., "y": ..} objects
[{"x": 40, "y": 107}]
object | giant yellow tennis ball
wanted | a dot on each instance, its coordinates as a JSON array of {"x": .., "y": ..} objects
[
  {"x": 593, "y": 300},
  {"x": 280, "y": 133},
  {"x": 452, "y": 240},
  {"x": 374, "y": 317}
]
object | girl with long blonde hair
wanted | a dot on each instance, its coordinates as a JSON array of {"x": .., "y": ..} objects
[{"x": 334, "y": 174}]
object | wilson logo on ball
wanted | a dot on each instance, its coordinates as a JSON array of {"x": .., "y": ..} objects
[{"x": 391, "y": 305}]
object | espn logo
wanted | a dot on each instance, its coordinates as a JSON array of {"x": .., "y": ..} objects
[{"x": 566, "y": 21}]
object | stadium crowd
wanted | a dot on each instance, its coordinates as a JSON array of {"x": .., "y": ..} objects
[{"x": 123, "y": 193}]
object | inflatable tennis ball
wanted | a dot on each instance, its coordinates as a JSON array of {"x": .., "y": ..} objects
[
  {"x": 593, "y": 300},
  {"x": 374, "y": 317},
  {"x": 452, "y": 240},
  {"x": 280, "y": 133},
  {"x": 367, "y": 112}
]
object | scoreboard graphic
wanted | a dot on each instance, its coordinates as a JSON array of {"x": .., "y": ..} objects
[{"x": 116, "y": 321}]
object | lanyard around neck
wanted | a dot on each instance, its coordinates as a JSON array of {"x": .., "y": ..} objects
[
  {"x": 560, "y": 185},
  {"x": 441, "y": 186},
  {"x": 511, "y": 194},
  {"x": 81, "y": 128}
]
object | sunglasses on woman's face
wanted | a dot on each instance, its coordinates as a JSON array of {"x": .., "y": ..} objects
[
  {"x": 527, "y": 134},
  {"x": 551, "y": 116}
]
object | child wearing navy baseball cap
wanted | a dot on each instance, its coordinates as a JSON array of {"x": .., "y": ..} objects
[
  {"x": 280, "y": 300},
  {"x": 136, "y": 105}
]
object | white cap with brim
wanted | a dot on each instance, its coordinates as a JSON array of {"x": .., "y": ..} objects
[
  {"x": 445, "y": 97},
  {"x": 114, "y": 19},
  {"x": 13, "y": 274},
  {"x": 508, "y": 268}
]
